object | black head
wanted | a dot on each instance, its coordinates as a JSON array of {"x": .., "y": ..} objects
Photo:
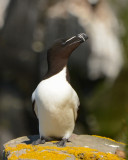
[
  {"x": 59, "y": 53},
  {"x": 63, "y": 48}
]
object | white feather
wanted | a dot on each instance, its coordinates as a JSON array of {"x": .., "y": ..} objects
[{"x": 57, "y": 104}]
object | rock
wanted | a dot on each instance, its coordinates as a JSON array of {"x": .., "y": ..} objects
[
  {"x": 79, "y": 146},
  {"x": 120, "y": 153}
]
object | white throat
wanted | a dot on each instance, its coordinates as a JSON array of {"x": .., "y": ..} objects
[{"x": 61, "y": 75}]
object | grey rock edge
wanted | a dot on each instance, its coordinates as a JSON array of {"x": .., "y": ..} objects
[{"x": 100, "y": 143}]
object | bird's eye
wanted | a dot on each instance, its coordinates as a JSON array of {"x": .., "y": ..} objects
[{"x": 63, "y": 43}]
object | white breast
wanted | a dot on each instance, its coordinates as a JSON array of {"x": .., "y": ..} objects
[
  {"x": 54, "y": 91},
  {"x": 56, "y": 102}
]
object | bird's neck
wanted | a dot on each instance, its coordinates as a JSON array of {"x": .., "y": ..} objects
[{"x": 55, "y": 67}]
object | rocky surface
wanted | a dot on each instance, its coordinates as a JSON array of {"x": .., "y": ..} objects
[{"x": 79, "y": 147}]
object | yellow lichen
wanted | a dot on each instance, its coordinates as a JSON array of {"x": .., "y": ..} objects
[
  {"x": 109, "y": 139},
  {"x": 56, "y": 153}
]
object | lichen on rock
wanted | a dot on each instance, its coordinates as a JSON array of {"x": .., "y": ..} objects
[{"x": 18, "y": 149}]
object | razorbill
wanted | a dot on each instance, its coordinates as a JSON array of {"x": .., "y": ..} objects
[{"x": 54, "y": 100}]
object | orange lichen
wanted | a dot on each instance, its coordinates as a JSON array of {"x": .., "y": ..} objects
[
  {"x": 109, "y": 139},
  {"x": 56, "y": 153}
]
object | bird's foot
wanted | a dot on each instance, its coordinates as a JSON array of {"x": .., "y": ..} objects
[
  {"x": 39, "y": 141},
  {"x": 61, "y": 143}
]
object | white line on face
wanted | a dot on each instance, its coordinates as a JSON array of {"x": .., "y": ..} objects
[{"x": 70, "y": 39}]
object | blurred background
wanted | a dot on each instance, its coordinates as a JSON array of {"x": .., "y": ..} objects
[{"x": 98, "y": 68}]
